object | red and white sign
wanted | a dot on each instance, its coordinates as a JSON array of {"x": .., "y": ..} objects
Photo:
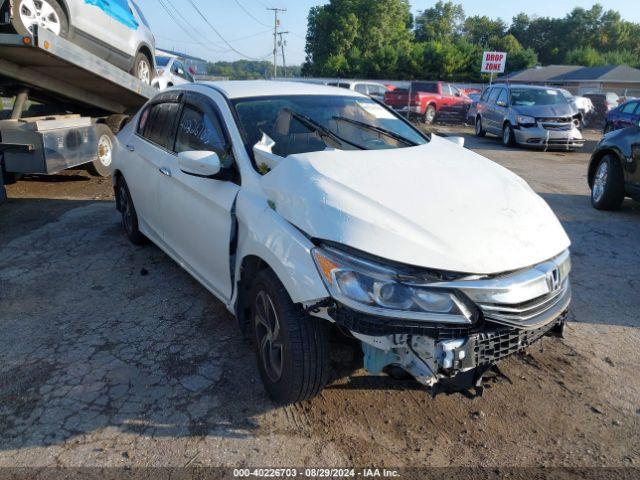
[{"x": 493, "y": 62}]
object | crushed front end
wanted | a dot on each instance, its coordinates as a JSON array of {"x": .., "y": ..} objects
[{"x": 490, "y": 318}]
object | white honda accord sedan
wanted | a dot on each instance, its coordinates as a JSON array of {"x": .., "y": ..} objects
[{"x": 306, "y": 208}]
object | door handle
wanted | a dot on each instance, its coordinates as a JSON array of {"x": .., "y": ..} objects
[
  {"x": 165, "y": 171},
  {"x": 131, "y": 148}
]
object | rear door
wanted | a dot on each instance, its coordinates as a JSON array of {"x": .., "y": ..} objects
[
  {"x": 491, "y": 114},
  {"x": 196, "y": 212},
  {"x": 150, "y": 149}
]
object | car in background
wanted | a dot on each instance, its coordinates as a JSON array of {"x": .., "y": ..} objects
[
  {"x": 623, "y": 116},
  {"x": 614, "y": 168},
  {"x": 372, "y": 89},
  {"x": 473, "y": 107},
  {"x": 428, "y": 101},
  {"x": 529, "y": 115},
  {"x": 114, "y": 30},
  {"x": 170, "y": 71},
  {"x": 584, "y": 104},
  {"x": 311, "y": 211}
]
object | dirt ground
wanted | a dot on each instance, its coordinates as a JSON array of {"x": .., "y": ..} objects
[{"x": 111, "y": 355}]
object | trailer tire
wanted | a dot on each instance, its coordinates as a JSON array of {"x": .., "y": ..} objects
[
  {"x": 102, "y": 166},
  {"x": 292, "y": 348},
  {"x": 19, "y": 26},
  {"x": 117, "y": 122}
]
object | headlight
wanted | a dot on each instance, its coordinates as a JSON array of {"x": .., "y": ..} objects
[
  {"x": 383, "y": 291},
  {"x": 525, "y": 120}
]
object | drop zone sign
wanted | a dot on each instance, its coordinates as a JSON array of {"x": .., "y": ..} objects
[{"x": 493, "y": 62}]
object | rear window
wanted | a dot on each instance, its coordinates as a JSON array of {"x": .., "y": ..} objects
[
  {"x": 157, "y": 124},
  {"x": 427, "y": 87}
]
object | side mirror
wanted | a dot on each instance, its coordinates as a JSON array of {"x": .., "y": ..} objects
[
  {"x": 199, "y": 163},
  {"x": 501, "y": 103}
]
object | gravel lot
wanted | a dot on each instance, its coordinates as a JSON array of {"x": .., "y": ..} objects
[{"x": 111, "y": 355}]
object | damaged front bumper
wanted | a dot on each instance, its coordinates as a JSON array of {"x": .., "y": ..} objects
[{"x": 448, "y": 360}]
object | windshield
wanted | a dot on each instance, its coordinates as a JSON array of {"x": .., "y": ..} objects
[
  {"x": 529, "y": 97},
  {"x": 312, "y": 123},
  {"x": 162, "y": 61}
]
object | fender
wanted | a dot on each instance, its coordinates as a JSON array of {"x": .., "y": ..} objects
[{"x": 280, "y": 245}]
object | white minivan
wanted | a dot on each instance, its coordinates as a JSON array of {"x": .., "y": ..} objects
[{"x": 306, "y": 208}]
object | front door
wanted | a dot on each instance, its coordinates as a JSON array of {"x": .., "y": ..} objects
[{"x": 196, "y": 212}]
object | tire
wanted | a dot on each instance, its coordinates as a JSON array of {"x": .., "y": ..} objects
[
  {"x": 50, "y": 15},
  {"x": 103, "y": 165},
  {"x": 293, "y": 363},
  {"x": 142, "y": 69},
  {"x": 117, "y": 122},
  {"x": 429, "y": 115},
  {"x": 125, "y": 206},
  {"x": 607, "y": 187},
  {"x": 508, "y": 137},
  {"x": 480, "y": 132}
]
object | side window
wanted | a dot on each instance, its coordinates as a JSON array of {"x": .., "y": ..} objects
[
  {"x": 485, "y": 95},
  {"x": 200, "y": 131},
  {"x": 502, "y": 98},
  {"x": 361, "y": 88},
  {"x": 494, "y": 95},
  {"x": 157, "y": 124},
  {"x": 630, "y": 107},
  {"x": 454, "y": 90}
]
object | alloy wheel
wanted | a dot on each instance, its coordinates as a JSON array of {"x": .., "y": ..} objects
[
  {"x": 40, "y": 13},
  {"x": 268, "y": 336},
  {"x": 125, "y": 205},
  {"x": 144, "y": 72},
  {"x": 600, "y": 180}
]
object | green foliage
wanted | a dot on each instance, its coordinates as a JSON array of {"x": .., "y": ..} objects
[
  {"x": 249, "y": 70},
  {"x": 379, "y": 39}
]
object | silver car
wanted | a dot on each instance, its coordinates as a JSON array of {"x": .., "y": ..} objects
[
  {"x": 171, "y": 71},
  {"x": 529, "y": 115},
  {"x": 114, "y": 30}
]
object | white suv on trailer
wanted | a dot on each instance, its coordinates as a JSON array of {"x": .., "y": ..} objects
[{"x": 304, "y": 207}]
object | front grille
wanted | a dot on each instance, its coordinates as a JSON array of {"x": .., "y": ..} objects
[
  {"x": 494, "y": 345},
  {"x": 520, "y": 312},
  {"x": 555, "y": 120},
  {"x": 558, "y": 127}
]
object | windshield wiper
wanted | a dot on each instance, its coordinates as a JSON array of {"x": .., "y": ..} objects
[
  {"x": 381, "y": 130},
  {"x": 316, "y": 127}
]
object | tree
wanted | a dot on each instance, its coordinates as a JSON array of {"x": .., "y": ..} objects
[
  {"x": 479, "y": 30},
  {"x": 440, "y": 23},
  {"x": 585, "y": 56}
]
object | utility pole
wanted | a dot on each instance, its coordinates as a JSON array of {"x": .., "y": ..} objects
[
  {"x": 282, "y": 43},
  {"x": 276, "y": 24}
]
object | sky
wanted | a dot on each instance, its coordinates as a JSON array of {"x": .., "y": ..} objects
[{"x": 247, "y": 25}]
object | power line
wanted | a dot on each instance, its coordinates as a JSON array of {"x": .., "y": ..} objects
[
  {"x": 250, "y": 14},
  {"x": 218, "y": 33},
  {"x": 231, "y": 40}
]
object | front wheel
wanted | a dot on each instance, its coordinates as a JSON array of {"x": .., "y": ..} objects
[
  {"x": 607, "y": 190},
  {"x": 125, "y": 206},
  {"x": 480, "y": 131},
  {"x": 47, "y": 14},
  {"x": 508, "y": 137},
  {"x": 142, "y": 69},
  {"x": 430, "y": 114},
  {"x": 292, "y": 347}
]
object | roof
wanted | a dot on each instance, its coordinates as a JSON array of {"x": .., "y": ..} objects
[
  {"x": 575, "y": 73},
  {"x": 263, "y": 88}
]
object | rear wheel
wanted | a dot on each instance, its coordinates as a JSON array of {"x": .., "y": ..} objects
[
  {"x": 607, "y": 190},
  {"x": 292, "y": 348},
  {"x": 125, "y": 206},
  {"x": 102, "y": 166},
  {"x": 142, "y": 69},
  {"x": 41, "y": 13}
]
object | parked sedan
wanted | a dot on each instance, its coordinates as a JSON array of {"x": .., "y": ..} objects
[
  {"x": 171, "y": 71},
  {"x": 614, "y": 169},
  {"x": 115, "y": 30},
  {"x": 302, "y": 208},
  {"x": 626, "y": 115},
  {"x": 529, "y": 115}
]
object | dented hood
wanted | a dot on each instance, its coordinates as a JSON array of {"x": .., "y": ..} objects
[{"x": 436, "y": 205}]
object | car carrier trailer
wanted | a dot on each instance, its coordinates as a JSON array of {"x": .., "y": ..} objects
[{"x": 68, "y": 105}]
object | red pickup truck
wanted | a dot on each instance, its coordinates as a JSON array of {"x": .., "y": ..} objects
[{"x": 429, "y": 100}]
